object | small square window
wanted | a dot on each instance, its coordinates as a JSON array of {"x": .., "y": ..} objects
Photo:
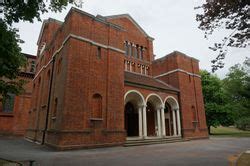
[{"x": 99, "y": 53}]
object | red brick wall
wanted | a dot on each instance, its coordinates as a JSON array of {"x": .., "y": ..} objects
[
  {"x": 190, "y": 91},
  {"x": 82, "y": 74},
  {"x": 16, "y": 122},
  {"x": 133, "y": 34}
]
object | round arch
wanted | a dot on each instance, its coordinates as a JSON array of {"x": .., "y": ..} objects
[
  {"x": 156, "y": 100},
  {"x": 133, "y": 102},
  {"x": 154, "y": 105},
  {"x": 135, "y": 96},
  {"x": 172, "y": 101}
]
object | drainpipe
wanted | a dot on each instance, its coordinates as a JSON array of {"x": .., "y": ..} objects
[
  {"x": 48, "y": 105},
  {"x": 180, "y": 111}
]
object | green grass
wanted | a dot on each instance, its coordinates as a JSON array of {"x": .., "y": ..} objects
[{"x": 229, "y": 131}]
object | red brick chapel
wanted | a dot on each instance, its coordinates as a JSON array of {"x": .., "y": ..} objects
[{"x": 97, "y": 83}]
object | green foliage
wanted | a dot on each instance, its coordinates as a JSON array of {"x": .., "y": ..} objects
[
  {"x": 231, "y": 15},
  {"x": 16, "y": 10},
  {"x": 11, "y": 58},
  {"x": 227, "y": 101},
  {"x": 243, "y": 123},
  {"x": 10, "y": 61},
  {"x": 215, "y": 101},
  {"x": 237, "y": 88}
]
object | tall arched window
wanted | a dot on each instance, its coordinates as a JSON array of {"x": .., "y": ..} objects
[
  {"x": 130, "y": 49},
  {"x": 126, "y": 48},
  {"x": 97, "y": 106},
  {"x": 136, "y": 51}
]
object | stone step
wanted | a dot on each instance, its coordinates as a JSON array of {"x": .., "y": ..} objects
[{"x": 150, "y": 141}]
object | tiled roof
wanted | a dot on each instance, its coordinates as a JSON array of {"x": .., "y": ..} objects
[{"x": 147, "y": 81}]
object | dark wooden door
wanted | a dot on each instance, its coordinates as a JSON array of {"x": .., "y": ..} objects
[
  {"x": 167, "y": 127},
  {"x": 151, "y": 123}
]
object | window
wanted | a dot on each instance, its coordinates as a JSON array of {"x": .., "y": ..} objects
[
  {"x": 136, "y": 51},
  {"x": 126, "y": 48},
  {"x": 97, "y": 106},
  {"x": 141, "y": 52},
  {"x": 98, "y": 54},
  {"x": 132, "y": 49},
  {"x": 129, "y": 49},
  {"x": 33, "y": 65},
  {"x": 8, "y": 103}
]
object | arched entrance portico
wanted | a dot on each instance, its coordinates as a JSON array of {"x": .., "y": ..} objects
[
  {"x": 131, "y": 120},
  {"x": 151, "y": 117},
  {"x": 154, "y": 105},
  {"x": 172, "y": 117},
  {"x": 133, "y": 113}
]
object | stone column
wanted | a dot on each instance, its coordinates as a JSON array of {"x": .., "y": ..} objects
[
  {"x": 174, "y": 122},
  {"x": 144, "y": 114},
  {"x": 178, "y": 121},
  {"x": 158, "y": 122},
  {"x": 163, "y": 122},
  {"x": 140, "y": 121}
]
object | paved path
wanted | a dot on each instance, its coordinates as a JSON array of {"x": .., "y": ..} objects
[{"x": 213, "y": 151}]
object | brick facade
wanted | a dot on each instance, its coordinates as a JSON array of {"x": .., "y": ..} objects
[
  {"x": 14, "y": 120},
  {"x": 87, "y": 64}
]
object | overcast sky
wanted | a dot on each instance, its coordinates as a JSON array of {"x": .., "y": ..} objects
[{"x": 171, "y": 22}]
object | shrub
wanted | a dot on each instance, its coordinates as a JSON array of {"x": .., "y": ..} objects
[{"x": 243, "y": 123}]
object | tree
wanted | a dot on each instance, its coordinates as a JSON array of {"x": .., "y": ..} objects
[
  {"x": 11, "y": 58},
  {"x": 228, "y": 14},
  {"x": 10, "y": 61},
  {"x": 215, "y": 101},
  {"x": 237, "y": 88}
]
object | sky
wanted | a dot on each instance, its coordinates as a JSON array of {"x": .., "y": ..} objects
[{"x": 170, "y": 22}]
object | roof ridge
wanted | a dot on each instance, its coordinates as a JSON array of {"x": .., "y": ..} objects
[
  {"x": 132, "y": 20},
  {"x": 165, "y": 84},
  {"x": 146, "y": 80}
]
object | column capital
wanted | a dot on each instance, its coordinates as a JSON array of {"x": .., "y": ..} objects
[
  {"x": 161, "y": 107},
  {"x": 142, "y": 106},
  {"x": 176, "y": 109}
]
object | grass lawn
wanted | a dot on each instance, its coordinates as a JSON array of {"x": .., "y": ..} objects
[{"x": 229, "y": 131}]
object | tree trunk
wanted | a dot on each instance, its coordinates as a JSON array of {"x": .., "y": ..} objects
[{"x": 209, "y": 130}]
